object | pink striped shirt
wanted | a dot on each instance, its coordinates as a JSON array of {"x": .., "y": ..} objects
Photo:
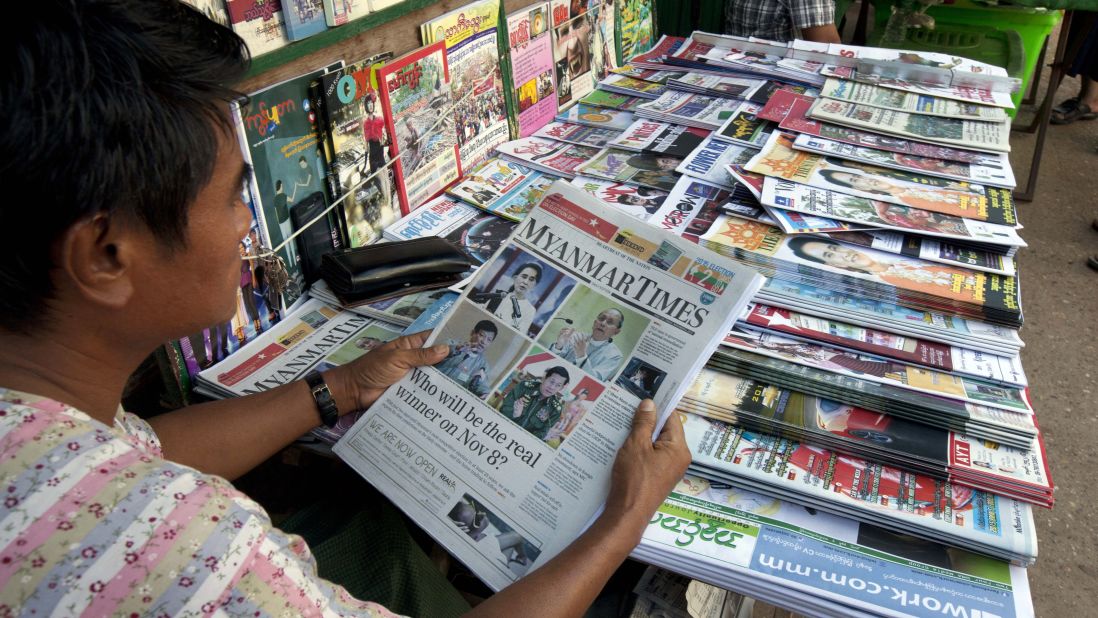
[{"x": 96, "y": 522}]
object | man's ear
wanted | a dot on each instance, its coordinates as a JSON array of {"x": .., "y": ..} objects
[{"x": 96, "y": 255}]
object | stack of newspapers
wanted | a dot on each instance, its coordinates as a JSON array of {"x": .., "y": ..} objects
[{"x": 863, "y": 438}]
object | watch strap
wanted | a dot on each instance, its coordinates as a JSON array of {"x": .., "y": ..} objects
[{"x": 322, "y": 397}]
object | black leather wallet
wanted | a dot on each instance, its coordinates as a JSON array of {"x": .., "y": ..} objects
[{"x": 377, "y": 272}]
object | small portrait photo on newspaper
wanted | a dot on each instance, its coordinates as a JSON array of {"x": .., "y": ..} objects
[
  {"x": 640, "y": 378},
  {"x": 495, "y": 540},
  {"x": 520, "y": 290},
  {"x": 546, "y": 397},
  {"x": 481, "y": 348},
  {"x": 593, "y": 333},
  {"x": 370, "y": 338}
]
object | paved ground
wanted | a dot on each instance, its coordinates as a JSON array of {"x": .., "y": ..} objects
[{"x": 1060, "y": 300}]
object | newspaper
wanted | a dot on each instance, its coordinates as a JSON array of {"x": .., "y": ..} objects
[
  {"x": 503, "y": 451},
  {"x": 901, "y": 101},
  {"x": 547, "y": 155},
  {"x": 598, "y": 117},
  {"x": 502, "y": 187},
  {"x": 480, "y": 234},
  {"x": 631, "y": 86},
  {"x": 745, "y": 127},
  {"x": 984, "y": 136},
  {"x": 870, "y": 212},
  {"x": 801, "y": 223},
  {"x": 873, "y": 368},
  {"x": 640, "y": 202},
  {"x": 717, "y": 85},
  {"x": 798, "y": 121},
  {"x": 994, "y": 173},
  {"x": 660, "y": 137},
  {"x": 820, "y": 564},
  {"x": 577, "y": 134},
  {"x": 948, "y": 358},
  {"x": 924, "y": 193},
  {"x": 882, "y": 495},
  {"x": 979, "y": 96},
  {"x": 692, "y": 110},
  {"x": 974, "y": 257}
]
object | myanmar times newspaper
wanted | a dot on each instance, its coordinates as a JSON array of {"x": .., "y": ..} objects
[
  {"x": 821, "y": 564},
  {"x": 503, "y": 450}
]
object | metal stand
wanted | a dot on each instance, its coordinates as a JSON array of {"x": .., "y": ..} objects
[{"x": 1040, "y": 123}]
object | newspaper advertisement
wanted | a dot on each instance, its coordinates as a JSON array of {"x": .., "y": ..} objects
[
  {"x": 823, "y": 564},
  {"x": 995, "y": 174},
  {"x": 898, "y": 100},
  {"x": 533, "y": 85},
  {"x": 885, "y": 215},
  {"x": 986, "y": 136},
  {"x": 917, "y": 191},
  {"x": 503, "y": 450},
  {"x": 798, "y": 121},
  {"x": 894, "y": 499}
]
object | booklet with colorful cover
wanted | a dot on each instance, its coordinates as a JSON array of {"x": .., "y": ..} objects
[
  {"x": 280, "y": 141},
  {"x": 547, "y": 155},
  {"x": 577, "y": 134},
  {"x": 471, "y": 34},
  {"x": 260, "y": 23},
  {"x": 356, "y": 141},
  {"x": 661, "y": 138},
  {"x": 574, "y": 46},
  {"x": 533, "y": 84},
  {"x": 710, "y": 160},
  {"x": 415, "y": 99},
  {"x": 304, "y": 18},
  {"x": 597, "y": 117},
  {"x": 637, "y": 24},
  {"x": 642, "y": 168},
  {"x": 611, "y": 100},
  {"x": 641, "y": 202},
  {"x": 503, "y": 187},
  {"x": 339, "y": 12}
]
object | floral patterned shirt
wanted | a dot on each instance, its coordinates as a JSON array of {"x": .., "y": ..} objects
[{"x": 95, "y": 522}]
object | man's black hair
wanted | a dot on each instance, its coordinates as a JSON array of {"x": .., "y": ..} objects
[
  {"x": 797, "y": 243},
  {"x": 559, "y": 371},
  {"x": 113, "y": 106},
  {"x": 487, "y": 327}
]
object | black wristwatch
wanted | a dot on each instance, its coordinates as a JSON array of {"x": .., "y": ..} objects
[{"x": 325, "y": 405}]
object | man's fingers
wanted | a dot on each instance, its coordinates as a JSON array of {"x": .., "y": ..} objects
[
  {"x": 644, "y": 421},
  {"x": 672, "y": 432},
  {"x": 423, "y": 356}
]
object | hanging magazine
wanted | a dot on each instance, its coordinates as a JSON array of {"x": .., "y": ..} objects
[
  {"x": 573, "y": 50},
  {"x": 260, "y": 23},
  {"x": 533, "y": 85},
  {"x": 476, "y": 79},
  {"x": 415, "y": 99}
]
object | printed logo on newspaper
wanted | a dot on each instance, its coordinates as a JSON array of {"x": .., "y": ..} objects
[
  {"x": 633, "y": 244},
  {"x": 556, "y": 205},
  {"x": 250, "y": 366},
  {"x": 709, "y": 276}
]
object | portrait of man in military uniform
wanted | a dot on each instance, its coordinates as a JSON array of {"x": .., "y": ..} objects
[{"x": 536, "y": 404}]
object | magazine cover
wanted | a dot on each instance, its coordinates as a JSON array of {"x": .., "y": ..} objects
[
  {"x": 745, "y": 127},
  {"x": 661, "y": 138},
  {"x": 598, "y": 117},
  {"x": 358, "y": 139},
  {"x": 472, "y": 51},
  {"x": 260, "y": 23},
  {"x": 998, "y": 174},
  {"x": 637, "y": 22},
  {"x": 339, "y": 12},
  {"x": 641, "y": 202},
  {"x": 547, "y": 155},
  {"x": 605, "y": 57},
  {"x": 718, "y": 85},
  {"x": 415, "y": 100},
  {"x": 503, "y": 187},
  {"x": 280, "y": 134},
  {"x": 214, "y": 10},
  {"x": 984, "y": 136},
  {"x": 631, "y": 86},
  {"x": 957, "y": 198},
  {"x": 933, "y": 250},
  {"x": 693, "y": 110},
  {"x": 479, "y": 233},
  {"x": 768, "y": 245},
  {"x": 304, "y": 18},
  {"x": 901, "y": 101},
  {"x": 533, "y": 82},
  {"x": 574, "y": 49},
  {"x": 793, "y": 222},
  {"x": 643, "y": 168},
  {"x": 798, "y": 122},
  {"x": 577, "y": 134},
  {"x": 611, "y": 100},
  {"x": 980, "y": 96},
  {"x": 710, "y": 160}
]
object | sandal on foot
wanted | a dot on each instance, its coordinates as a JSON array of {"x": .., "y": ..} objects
[
  {"x": 1080, "y": 112},
  {"x": 1066, "y": 105},
  {"x": 1092, "y": 261}
]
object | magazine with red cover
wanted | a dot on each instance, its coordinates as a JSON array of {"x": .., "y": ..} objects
[{"x": 415, "y": 99}]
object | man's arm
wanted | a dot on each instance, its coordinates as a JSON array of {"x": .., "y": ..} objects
[
  {"x": 821, "y": 34},
  {"x": 816, "y": 20},
  {"x": 232, "y": 436},
  {"x": 644, "y": 473}
]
